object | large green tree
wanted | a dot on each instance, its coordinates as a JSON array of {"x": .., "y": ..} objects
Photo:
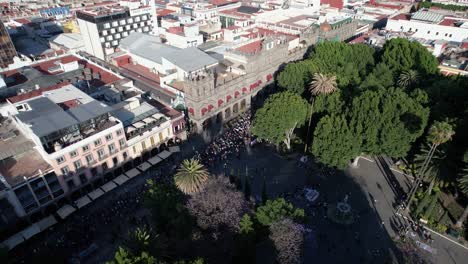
[
  {"x": 276, "y": 121},
  {"x": 403, "y": 55},
  {"x": 275, "y": 210},
  {"x": 296, "y": 76},
  {"x": 167, "y": 206},
  {"x": 349, "y": 63},
  {"x": 335, "y": 144},
  {"x": 377, "y": 122}
]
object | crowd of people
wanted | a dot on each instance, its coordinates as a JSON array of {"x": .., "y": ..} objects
[{"x": 229, "y": 143}]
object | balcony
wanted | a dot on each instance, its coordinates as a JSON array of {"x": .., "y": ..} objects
[
  {"x": 112, "y": 152},
  {"x": 103, "y": 157},
  {"x": 91, "y": 162}
]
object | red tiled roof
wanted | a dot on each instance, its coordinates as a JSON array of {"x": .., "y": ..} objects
[
  {"x": 143, "y": 71},
  {"x": 333, "y": 3},
  {"x": 23, "y": 21},
  {"x": 402, "y": 17},
  {"x": 46, "y": 65},
  {"x": 233, "y": 27},
  {"x": 447, "y": 22},
  {"x": 221, "y": 2},
  {"x": 35, "y": 93},
  {"x": 164, "y": 12},
  {"x": 251, "y": 47},
  {"x": 176, "y": 30}
]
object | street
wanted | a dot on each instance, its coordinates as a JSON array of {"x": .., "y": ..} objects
[{"x": 377, "y": 180}]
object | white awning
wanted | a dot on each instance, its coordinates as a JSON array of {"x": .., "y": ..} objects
[
  {"x": 30, "y": 231},
  {"x": 144, "y": 166},
  {"x": 174, "y": 149},
  {"x": 149, "y": 120},
  {"x": 46, "y": 222},
  {"x": 139, "y": 124},
  {"x": 157, "y": 116},
  {"x": 82, "y": 201},
  {"x": 130, "y": 129},
  {"x": 109, "y": 186},
  {"x": 13, "y": 241},
  {"x": 95, "y": 194},
  {"x": 121, "y": 179},
  {"x": 132, "y": 173},
  {"x": 165, "y": 154},
  {"x": 65, "y": 211},
  {"x": 155, "y": 160}
]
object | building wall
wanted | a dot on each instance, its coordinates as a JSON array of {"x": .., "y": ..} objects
[
  {"x": 7, "y": 49},
  {"x": 428, "y": 31},
  {"x": 150, "y": 139},
  {"x": 260, "y": 68},
  {"x": 117, "y": 134},
  {"x": 184, "y": 41},
  {"x": 91, "y": 40}
]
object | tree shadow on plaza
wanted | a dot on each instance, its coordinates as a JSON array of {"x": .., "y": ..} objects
[{"x": 364, "y": 241}]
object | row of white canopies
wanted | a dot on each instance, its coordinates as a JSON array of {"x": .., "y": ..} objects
[{"x": 66, "y": 210}]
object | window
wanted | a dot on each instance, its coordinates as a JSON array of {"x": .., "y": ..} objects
[
  {"x": 100, "y": 153},
  {"x": 77, "y": 164},
  {"x": 85, "y": 148},
  {"x": 152, "y": 141},
  {"x": 130, "y": 20},
  {"x": 89, "y": 159},
  {"x": 104, "y": 166},
  {"x": 125, "y": 155},
  {"x": 97, "y": 142},
  {"x": 429, "y": 32},
  {"x": 120, "y": 29},
  {"x": 127, "y": 27},
  {"x": 106, "y": 25},
  {"x": 160, "y": 137},
  {"x": 102, "y": 40},
  {"x": 450, "y": 35},
  {"x": 111, "y": 148},
  {"x": 437, "y": 33},
  {"x": 65, "y": 170},
  {"x": 122, "y": 22},
  {"x": 115, "y": 23},
  {"x": 60, "y": 159},
  {"x": 109, "y": 137},
  {"x": 122, "y": 143},
  {"x": 109, "y": 38},
  {"x": 73, "y": 154},
  {"x": 143, "y": 145},
  {"x": 134, "y": 149}
]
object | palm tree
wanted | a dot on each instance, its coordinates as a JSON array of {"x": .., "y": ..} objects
[
  {"x": 439, "y": 133},
  {"x": 320, "y": 84},
  {"x": 463, "y": 185},
  {"x": 191, "y": 177},
  {"x": 408, "y": 78},
  {"x": 434, "y": 172}
]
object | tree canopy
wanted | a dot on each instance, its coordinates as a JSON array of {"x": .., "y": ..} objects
[
  {"x": 276, "y": 120},
  {"x": 403, "y": 55},
  {"x": 274, "y": 210},
  {"x": 376, "y": 122}
]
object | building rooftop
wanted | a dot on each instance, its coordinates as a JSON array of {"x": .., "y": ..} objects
[
  {"x": 427, "y": 16},
  {"x": 12, "y": 141},
  {"x": 60, "y": 109},
  {"x": 146, "y": 46},
  {"x": 27, "y": 164},
  {"x": 68, "y": 40},
  {"x": 190, "y": 59},
  {"x": 99, "y": 11}
]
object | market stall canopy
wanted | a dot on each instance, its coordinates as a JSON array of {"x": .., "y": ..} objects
[
  {"x": 121, "y": 179},
  {"x": 155, "y": 160},
  {"x": 65, "y": 211},
  {"x": 132, "y": 173},
  {"x": 83, "y": 201},
  {"x": 165, "y": 154},
  {"x": 144, "y": 166},
  {"x": 96, "y": 194},
  {"x": 109, "y": 186}
]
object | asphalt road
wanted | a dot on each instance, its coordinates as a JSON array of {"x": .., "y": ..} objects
[{"x": 383, "y": 187}]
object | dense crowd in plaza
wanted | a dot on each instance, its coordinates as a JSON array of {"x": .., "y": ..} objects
[{"x": 230, "y": 142}]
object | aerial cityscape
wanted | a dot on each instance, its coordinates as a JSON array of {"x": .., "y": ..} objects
[{"x": 234, "y": 131}]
